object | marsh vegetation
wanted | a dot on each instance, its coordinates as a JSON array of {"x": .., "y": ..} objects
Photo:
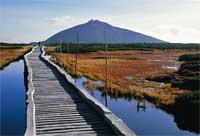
[
  {"x": 129, "y": 67},
  {"x": 156, "y": 75},
  {"x": 11, "y": 52}
]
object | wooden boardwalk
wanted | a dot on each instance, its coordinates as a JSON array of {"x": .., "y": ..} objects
[{"x": 59, "y": 110}]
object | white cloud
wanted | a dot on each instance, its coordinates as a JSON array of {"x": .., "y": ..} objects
[
  {"x": 178, "y": 33},
  {"x": 196, "y": 1},
  {"x": 61, "y": 21}
]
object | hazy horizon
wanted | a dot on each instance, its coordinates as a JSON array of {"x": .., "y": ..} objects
[{"x": 36, "y": 20}]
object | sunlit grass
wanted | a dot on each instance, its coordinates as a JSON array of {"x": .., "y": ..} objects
[
  {"x": 122, "y": 64},
  {"x": 9, "y": 54}
]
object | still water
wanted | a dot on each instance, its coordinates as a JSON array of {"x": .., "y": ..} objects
[
  {"x": 143, "y": 121},
  {"x": 13, "y": 99}
]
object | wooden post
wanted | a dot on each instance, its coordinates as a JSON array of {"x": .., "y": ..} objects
[
  {"x": 60, "y": 53},
  {"x": 46, "y": 47},
  {"x": 106, "y": 67},
  {"x": 68, "y": 52},
  {"x": 76, "y": 55},
  {"x": 57, "y": 47}
]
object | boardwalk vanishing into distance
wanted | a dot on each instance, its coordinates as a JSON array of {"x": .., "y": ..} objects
[{"x": 58, "y": 109}]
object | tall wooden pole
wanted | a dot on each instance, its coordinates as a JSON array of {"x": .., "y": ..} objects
[
  {"x": 60, "y": 53},
  {"x": 67, "y": 52},
  {"x": 57, "y": 46},
  {"x": 106, "y": 67},
  {"x": 76, "y": 55},
  {"x": 46, "y": 47}
]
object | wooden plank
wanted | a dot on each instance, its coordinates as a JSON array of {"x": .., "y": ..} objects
[{"x": 59, "y": 110}]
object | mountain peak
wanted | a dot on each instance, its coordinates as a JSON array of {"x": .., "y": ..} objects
[
  {"x": 92, "y": 21},
  {"x": 94, "y": 32}
]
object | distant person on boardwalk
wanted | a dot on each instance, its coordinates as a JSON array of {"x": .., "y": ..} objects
[{"x": 39, "y": 43}]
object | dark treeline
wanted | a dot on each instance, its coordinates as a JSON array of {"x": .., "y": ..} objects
[
  {"x": 12, "y": 45},
  {"x": 137, "y": 46}
]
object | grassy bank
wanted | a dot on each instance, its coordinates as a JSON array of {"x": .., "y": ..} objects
[
  {"x": 186, "y": 105},
  {"x": 127, "y": 71},
  {"x": 11, "y": 52},
  {"x": 187, "y": 76}
]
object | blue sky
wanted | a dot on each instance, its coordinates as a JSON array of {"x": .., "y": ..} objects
[{"x": 36, "y": 20}]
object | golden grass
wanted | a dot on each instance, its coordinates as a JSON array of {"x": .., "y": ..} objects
[
  {"x": 122, "y": 64},
  {"x": 9, "y": 55}
]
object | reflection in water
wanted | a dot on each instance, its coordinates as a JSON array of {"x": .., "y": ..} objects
[
  {"x": 12, "y": 100},
  {"x": 106, "y": 99},
  {"x": 187, "y": 117},
  {"x": 141, "y": 116},
  {"x": 141, "y": 104}
]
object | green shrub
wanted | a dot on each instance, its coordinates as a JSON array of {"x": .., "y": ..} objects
[
  {"x": 162, "y": 78},
  {"x": 189, "y": 57},
  {"x": 192, "y": 98},
  {"x": 10, "y": 46},
  {"x": 191, "y": 66},
  {"x": 190, "y": 83}
]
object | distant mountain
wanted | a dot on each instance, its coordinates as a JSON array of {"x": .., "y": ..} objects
[
  {"x": 34, "y": 43},
  {"x": 94, "y": 32}
]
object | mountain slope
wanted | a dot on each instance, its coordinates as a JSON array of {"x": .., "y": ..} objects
[{"x": 94, "y": 32}]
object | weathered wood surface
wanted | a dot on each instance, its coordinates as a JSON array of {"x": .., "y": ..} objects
[
  {"x": 59, "y": 110},
  {"x": 57, "y": 106}
]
